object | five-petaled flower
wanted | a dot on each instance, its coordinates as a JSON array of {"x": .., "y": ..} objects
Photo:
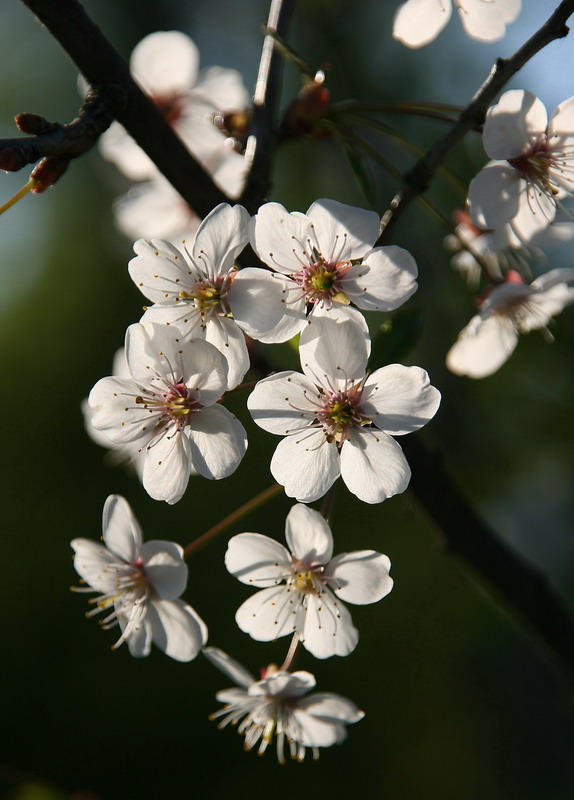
[
  {"x": 339, "y": 420},
  {"x": 532, "y": 169},
  {"x": 509, "y": 308},
  {"x": 169, "y": 404},
  {"x": 301, "y": 588},
  {"x": 275, "y": 706},
  {"x": 326, "y": 261},
  {"x": 138, "y": 585},
  {"x": 204, "y": 294},
  {"x": 418, "y": 22}
]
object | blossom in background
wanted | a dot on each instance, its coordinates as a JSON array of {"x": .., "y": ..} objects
[
  {"x": 418, "y": 22},
  {"x": 339, "y": 420},
  {"x": 327, "y": 261},
  {"x": 138, "y": 584},
  {"x": 509, "y": 308},
  {"x": 169, "y": 405},
  {"x": 165, "y": 64},
  {"x": 532, "y": 170},
  {"x": 275, "y": 706},
  {"x": 301, "y": 588},
  {"x": 202, "y": 292}
]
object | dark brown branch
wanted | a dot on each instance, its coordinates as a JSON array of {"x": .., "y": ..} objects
[
  {"x": 464, "y": 534},
  {"x": 108, "y": 73},
  {"x": 418, "y": 178}
]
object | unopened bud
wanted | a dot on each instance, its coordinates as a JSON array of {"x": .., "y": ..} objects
[
  {"x": 307, "y": 109},
  {"x": 47, "y": 172},
  {"x": 33, "y": 124}
]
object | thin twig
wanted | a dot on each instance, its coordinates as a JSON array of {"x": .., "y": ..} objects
[{"x": 417, "y": 179}]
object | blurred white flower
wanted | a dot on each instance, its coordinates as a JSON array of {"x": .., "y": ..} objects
[
  {"x": 533, "y": 167},
  {"x": 327, "y": 261},
  {"x": 202, "y": 292},
  {"x": 275, "y": 706},
  {"x": 337, "y": 419},
  {"x": 138, "y": 584},
  {"x": 509, "y": 308},
  {"x": 169, "y": 406},
  {"x": 418, "y": 22},
  {"x": 165, "y": 64},
  {"x": 303, "y": 586}
]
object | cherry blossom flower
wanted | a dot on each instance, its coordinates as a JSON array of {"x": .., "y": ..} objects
[
  {"x": 303, "y": 585},
  {"x": 509, "y": 308},
  {"x": 418, "y": 22},
  {"x": 327, "y": 261},
  {"x": 165, "y": 64},
  {"x": 169, "y": 405},
  {"x": 275, "y": 706},
  {"x": 139, "y": 585},
  {"x": 533, "y": 167},
  {"x": 202, "y": 292},
  {"x": 339, "y": 420}
]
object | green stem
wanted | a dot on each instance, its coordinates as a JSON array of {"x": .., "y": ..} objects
[{"x": 240, "y": 512}]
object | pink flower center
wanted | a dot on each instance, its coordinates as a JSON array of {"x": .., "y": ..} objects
[
  {"x": 339, "y": 413},
  {"x": 171, "y": 105},
  {"x": 321, "y": 281},
  {"x": 210, "y": 296},
  {"x": 536, "y": 164}
]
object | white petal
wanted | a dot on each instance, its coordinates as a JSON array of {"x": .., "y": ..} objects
[
  {"x": 167, "y": 467},
  {"x": 221, "y": 237},
  {"x": 373, "y": 466},
  {"x": 514, "y": 124},
  {"x": 176, "y": 629},
  {"x": 399, "y": 399},
  {"x": 385, "y": 279},
  {"x": 95, "y": 564},
  {"x": 280, "y": 239},
  {"x": 159, "y": 270},
  {"x": 494, "y": 195},
  {"x": 343, "y": 232},
  {"x": 165, "y": 568},
  {"x": 361, "y": 577},
  {"x": 552, "y": 278},
  {"x": 316, "y": 732},
  {"x": 308, "y": 536},
  {"x": 223, "y": 88},
  {"x": 140, "y": 639},
  {"x": 334, "y": 351},
  {"x": 329, "y": 629},
  {"x": 115, "y": 412},
  {"x": 229, "y": 666},
  {"x": 486, "y": 21},
  {"x": 331, "y": 708},
  {"x": 228, "y": 338},
  {"x": 217, "y": 442},
  {"x": 306, "y": 465},
  {"x": 270, "y": 613},
  {"x": 257, "y": 560},
  {"x": 418, "y": 22},
  {"x": 284, "y": 403},
  {"x": 154, "y": 210},
  {"x": 482, "y": 347},
  {"x": 285, "y": 684},
  {"x": 121, "y": 531},
  {"x": 257, "y": 301},
  {"x": 294, "y": 313},
  {"x": 165, "y": 61},
  {"x": 546, "y": 305}
]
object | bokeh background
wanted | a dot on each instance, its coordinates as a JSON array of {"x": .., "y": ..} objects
[{"x": 461, "y": 701}]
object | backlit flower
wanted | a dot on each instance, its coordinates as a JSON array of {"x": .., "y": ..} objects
[
  {"x": 301, "y": 587},
  {"x": 138, "y": 585},
  {"x": 509, "y": 308},
  {"x": 275, "y": 707},
  {"x": 418, "y": 22}
]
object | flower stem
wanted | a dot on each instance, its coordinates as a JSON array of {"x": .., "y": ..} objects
[
  {"x": 18, "y": 196},
  {"x": 240, "y": 512},
  {"x": 290, "y": 653}
]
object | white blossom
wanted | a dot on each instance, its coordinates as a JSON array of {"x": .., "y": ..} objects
[
  {"x": 275, "y": 707},
  {"x": 532, "y": 170},
  {"x": 509, "y": 308},
  {"x": 169, "y": 406},
  {"x": 202, "y": 292},
  {"x": 337, "y": 419},
  {"x": 418, "y": 22},
  {"x": 301, "y": 587},
  {"x": 327, "y": 260},
  {"x": 138, "y": 585},
  {"x": 165, "y": 64}
]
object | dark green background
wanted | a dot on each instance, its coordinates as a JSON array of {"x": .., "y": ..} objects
[{"x": 461, "y": 702}]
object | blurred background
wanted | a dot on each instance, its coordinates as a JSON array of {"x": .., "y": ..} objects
[{"x": 461, "y": 701}]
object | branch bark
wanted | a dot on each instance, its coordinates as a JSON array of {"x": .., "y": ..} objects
[{"x": 417, "y": 179}]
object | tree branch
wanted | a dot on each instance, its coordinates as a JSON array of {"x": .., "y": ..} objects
[
  {"x": 518, "y": 582},
  {"x": 109, "y": 75},
  {"x": 418, "y": 178}
]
